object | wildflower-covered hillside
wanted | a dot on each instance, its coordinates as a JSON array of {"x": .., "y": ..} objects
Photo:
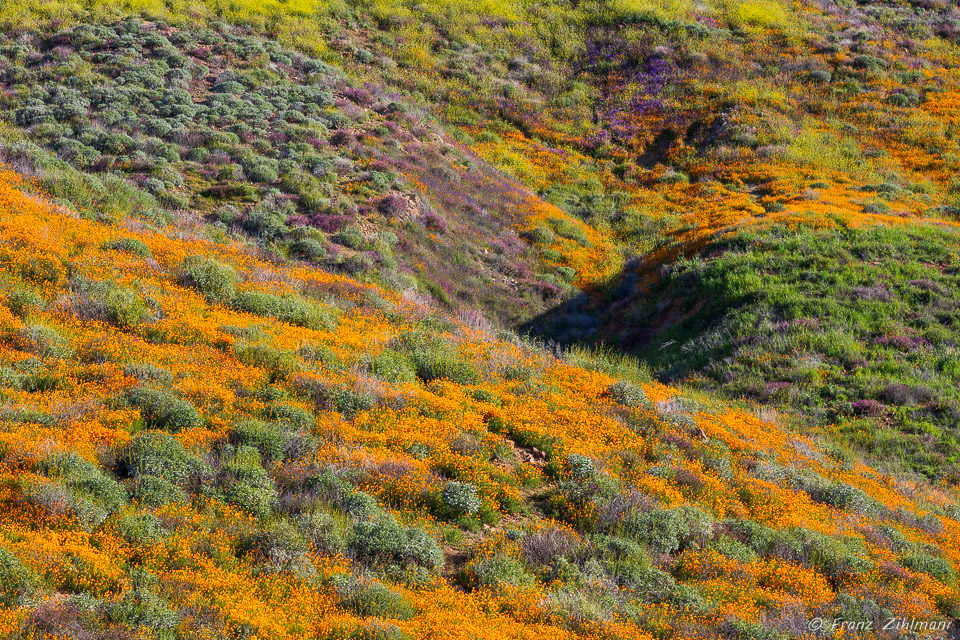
[
  {"x": 550, "y": 166},
  {"x": 263, "y": 265},
  {"x": 198, "y": 443},
  {"x": 220, "y": 129}
]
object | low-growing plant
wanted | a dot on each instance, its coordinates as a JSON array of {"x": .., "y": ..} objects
[
  {"x": 244, "y": 481},
  {"x": 392, "y": 366},
  {"x": 45, "y": 341},
  {"x": 492, "y": 572},
  {"x": 326, "y": 532},
  {"x": 460, "y": 499},
  {"x": 269, "y": 439},
  {"x": 24, "y": 301},
  {"x": 373, "y": 599},
  {"x": 385, "y": 540},
  {"x": 215, "y": 281},
  {"x": 669, "y": 530},
  {"x": 280, "y": 364},
  {"x": 162, "y": 410},
  {"x": 935, "y": 566},
  {"x": 17, "y": 582},
  {"x": 434, "y": 358}
]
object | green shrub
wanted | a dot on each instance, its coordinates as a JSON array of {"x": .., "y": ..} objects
[
  {"x": 227, "y": 214},
  {"x": 310, "y": 249},
  {"x": 40, "y": 271},
  {"x": 876, "y": 206},
  {"x": 373, "y": 599},
  {"x": 715, "y": 457},
  {"x": 322, "y": 354},
  {"x": 109, "y": 302},
  {"x": 228, "y": 172},
  {"x": 267, "y": 221},
  {"x": 485, "y": 396},
  {"x": 669, "y": 530},
  {"x": 215, "y": 281},
  {"x": 360, "y": 504},
  {"x": 900, "y": 100},
  {"x": 567, "y": 274},
  {"x": 279, "y": 543},
  {"x": 245, "y": 482},
  {"x": 157, "y": 454},
  {"x": 937, "y": 567},
  {"x": 162, "y": 410},
  {"x": 292, "y": 309},
  {"x": 279, "y": 363},
  {"x": 628, "y": 394},
  {"x": 371, "y": 630},
  {"x": 820, "y": 76},
  {"x": 325, "y": 532},
  {"x": 741, "y": 630},
  {"x": 141, "y": 608},
  {"x": 385, "y": 540},
  {"x": 155, "y": 491},
  {"x": 837, "y": 494},
  {"x": 147, "y": 372},
  {"x": 434, "y": 359},
  {"x": 17, "y": 582},
  {"x": 839, "y": 559},
  {"x": 84, "y": 479},
  {"x": 260, "y": 169},
  {"x": 124, "y": 307},
  {"x": 871, "y": 63},
  {"x": 551, "y": 255},
  {"x": 613, "y": 362},
  {"x": 358, "y": 263},
  {"x": 23, "y": 302},
  {"x": 141, "y": 529},
  {"x": 28, "y": 416},
  {"x": 494, "y": 571},
  {"x": 392, "y": 366},
  {"x": 290, "y": 415},
  {"x": 267, "y": 438},
  {"x": 460, "y": 499},
  {"x": 351, "y": 236},
  {"x": 774, "y": 207},
  {"x": 45, "y": 341},
  {"x": 581, "y": 467},
  {"x": 569, "y": 230},
  {"x": 348, "y": 401},
  {"x": 338, "y": 397},
  {"x": 77, "y": 489},
  {"x": 542, "y": 236}
]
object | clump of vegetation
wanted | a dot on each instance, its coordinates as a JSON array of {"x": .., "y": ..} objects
[
  {"x": 162, "y": 410},
  {"x": 211, "y": 279},
  {"x": 434, "y": 358}
]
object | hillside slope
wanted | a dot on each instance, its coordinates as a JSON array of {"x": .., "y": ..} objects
[
  {"x": 543, "y": 164},
  {"x": 260, "y": 263},
  {"x": 199, "y": 443},
  {"x": 224, "y": 133}
]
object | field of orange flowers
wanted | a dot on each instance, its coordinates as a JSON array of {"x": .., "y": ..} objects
[
  {"x": 595, "y": 507},
  {"x": 260, "y": 264}
]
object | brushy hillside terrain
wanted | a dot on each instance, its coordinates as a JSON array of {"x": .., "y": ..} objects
[
  {"x": 140, "y": 119},
  {"x": 262, "y": 264},
  {"x": 539, "y": 165},
  {"x": 199, "y": 444}
]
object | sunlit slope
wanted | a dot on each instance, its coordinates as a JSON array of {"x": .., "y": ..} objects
[
  {"x": 197, "y": 443},
  {"x": 227, "y": 134}
]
